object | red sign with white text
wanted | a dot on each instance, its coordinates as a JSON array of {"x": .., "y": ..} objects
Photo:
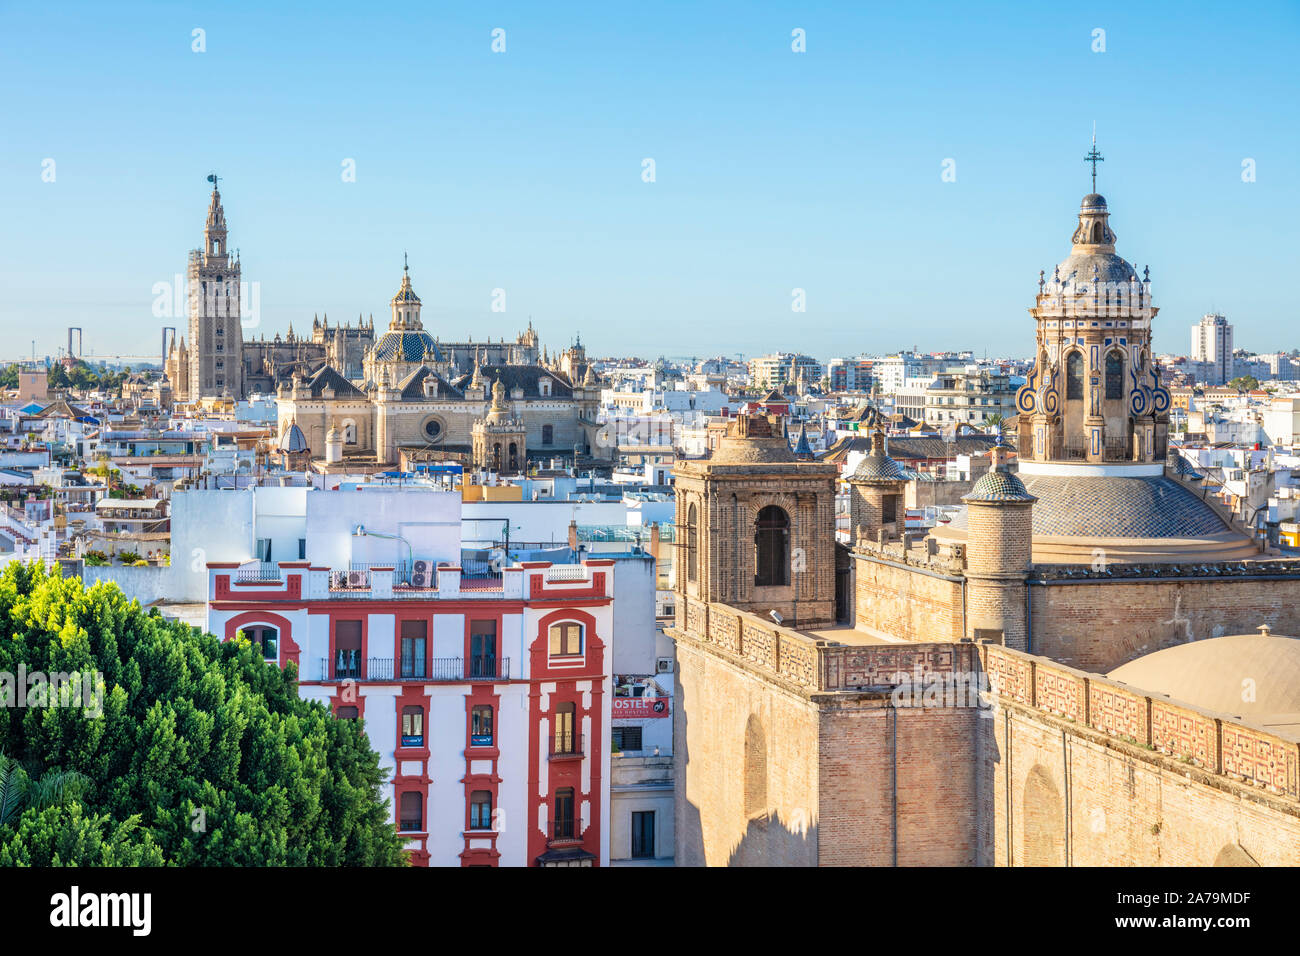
[{"x": 640, "y": 707}]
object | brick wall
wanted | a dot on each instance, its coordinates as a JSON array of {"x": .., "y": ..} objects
[
  {"x": 1083, "y": 770},
  {"x": 715, "y": 700},
  {"x": 906, "y": 603},
  {"x": 1098, "y": 627},
  {"x": 871, "y": 776}
]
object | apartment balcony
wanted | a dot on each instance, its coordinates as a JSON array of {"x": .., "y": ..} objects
[
  {"x": 261, "y": 572},
  {"x": 350, "y": 666},
  {"x": 566, "y": 745},
  {"x": 563, "y": 831}
]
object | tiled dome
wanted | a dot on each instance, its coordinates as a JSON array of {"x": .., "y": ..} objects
[
  {"x": 406, "y": 294},
  {"x": 878, "y": 467},
  {"x": 406, "y": 345},
  {"x": 1112, "y": 507},
  {"x": 1106, "y": 507},
  {"x": 293, "y": 440},
  {"x": 999, "y": 485}
]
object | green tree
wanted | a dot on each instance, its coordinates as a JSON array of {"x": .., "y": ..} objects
[
  {"x": 18, "y": 791},
  {"x": 57, "y": 376},
  {"x": 201, "y": 753},
  {"x": 1244, "y": 383}
]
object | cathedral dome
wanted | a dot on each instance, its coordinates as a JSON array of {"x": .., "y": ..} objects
[
  {"x": 406, "y": 345},
  {"x": 1126, "y": 519},
  {"x": 1215, "y": 673},
  {"x": 1079, "y": 269}
]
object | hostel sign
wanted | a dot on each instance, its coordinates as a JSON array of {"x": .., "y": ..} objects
[{"x": 636, "y": 707}]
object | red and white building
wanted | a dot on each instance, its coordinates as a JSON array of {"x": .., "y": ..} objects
[{"x": 488, "y": 699}]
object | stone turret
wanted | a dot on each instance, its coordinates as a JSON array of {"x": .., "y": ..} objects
[
  {"x": 999, "y": 522},
  {"x": 876, "y": 505}
]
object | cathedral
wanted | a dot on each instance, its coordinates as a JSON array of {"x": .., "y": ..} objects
[
  {"x": 415, "y": 404},
  {"x": 363, "y": 401},
  {"x": 1086, "y": 666}
]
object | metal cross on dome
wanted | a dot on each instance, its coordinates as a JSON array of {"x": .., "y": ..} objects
[{"x": 1094, "y": 157}]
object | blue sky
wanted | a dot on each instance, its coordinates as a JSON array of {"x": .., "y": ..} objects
[{"x": 522, "y": 170}]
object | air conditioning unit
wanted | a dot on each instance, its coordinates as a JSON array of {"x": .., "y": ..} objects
[
  {"x": 664, "y": 665},
  {"x": 356, "y": 579},
  {"x": 421, "y": 575}
]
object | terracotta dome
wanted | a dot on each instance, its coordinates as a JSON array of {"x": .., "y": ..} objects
[
  {"x": 733, "y": 450},
  {"x": 1252, "y": 676}
]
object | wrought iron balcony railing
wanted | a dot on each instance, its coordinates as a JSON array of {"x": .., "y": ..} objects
[{"x": 350, "y": 665}]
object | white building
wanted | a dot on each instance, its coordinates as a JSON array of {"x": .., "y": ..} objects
[
  {"x": 1212, "y": 344},
  {"x": 488, "y": 695}
]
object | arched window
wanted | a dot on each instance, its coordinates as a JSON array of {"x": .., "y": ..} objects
[
  {"x": 692, "y": 544},
  {"x": 1114, "y": 375},
  {"x": 266, "y": 639},
  {"x": 1074, "y": 376},
  {"x": 772, "y": 547}
]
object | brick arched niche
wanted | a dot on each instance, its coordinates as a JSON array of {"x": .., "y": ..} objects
[
  {"x": 289, "y": 650},
  {"x": 755, "y": 773},
  {"x": 1043, "y": 819},
  {"x": 751, "y": 506}
]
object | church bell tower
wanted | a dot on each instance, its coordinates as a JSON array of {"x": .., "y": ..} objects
[
  {"x": 216, "y": 357},
  {"x": 1094, "y": 396}
]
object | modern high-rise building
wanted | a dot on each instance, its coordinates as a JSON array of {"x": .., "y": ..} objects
[
  {"x": 1212, "y": 344},
  {"x": 781, "y": 368}
]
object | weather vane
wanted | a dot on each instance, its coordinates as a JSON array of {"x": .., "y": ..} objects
[
  {"x": 214, "y": 179},
  {"x": 1094, "y": 157}
]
